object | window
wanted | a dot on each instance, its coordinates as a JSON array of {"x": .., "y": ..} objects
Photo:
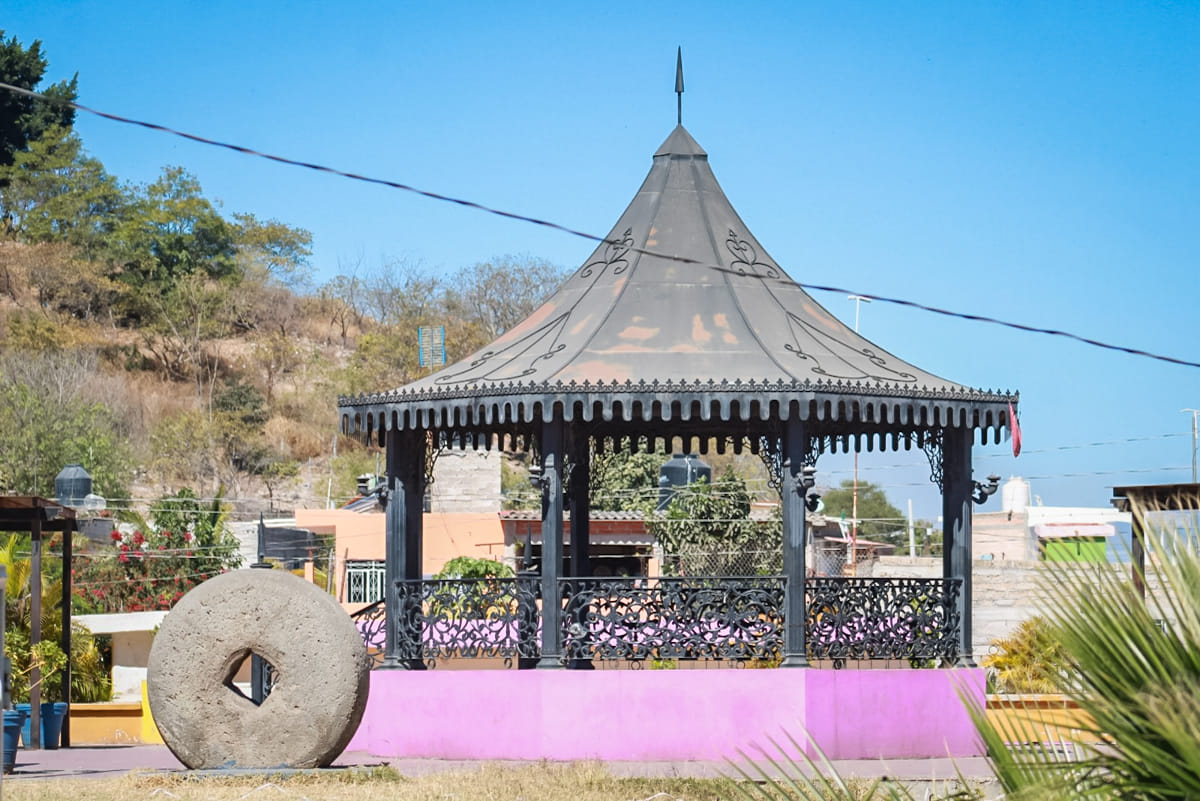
[{"x": 365, "y": 581}]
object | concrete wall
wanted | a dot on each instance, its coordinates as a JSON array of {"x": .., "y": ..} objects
[
  {"x": 466, "y": 481},
  {"x": 655, "y": 715},
  {"x": 1005, "y": 593},
  {"x": 131, "y": 653}
]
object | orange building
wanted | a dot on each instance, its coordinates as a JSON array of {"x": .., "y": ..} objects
[{"x": 359, "y": 546}]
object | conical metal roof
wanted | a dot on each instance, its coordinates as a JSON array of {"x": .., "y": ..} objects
[{"x": 719, "y": 322}]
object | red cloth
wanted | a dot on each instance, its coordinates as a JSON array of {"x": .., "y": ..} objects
[{"x": 1015, "y": 426}]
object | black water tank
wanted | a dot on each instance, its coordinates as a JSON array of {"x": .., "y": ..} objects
[
  {"x": 72, "y": 485},
  {"x": 679, "y": 471}
]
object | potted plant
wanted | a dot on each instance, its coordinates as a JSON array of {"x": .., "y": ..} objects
[
  {"x": 1025, "y": 670},
  {"x": 50, "y": 661}
]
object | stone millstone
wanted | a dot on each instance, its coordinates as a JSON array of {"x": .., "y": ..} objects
[{"x": 320, "y": 684}]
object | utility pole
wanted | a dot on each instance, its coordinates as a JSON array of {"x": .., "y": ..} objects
[
  {"x": 852, "y": 556},
  {"x": 912, "y": 534},
  {"x": 1193, "y": 412}
]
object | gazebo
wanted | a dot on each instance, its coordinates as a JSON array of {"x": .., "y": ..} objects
[{"x": 679, "y": 329}]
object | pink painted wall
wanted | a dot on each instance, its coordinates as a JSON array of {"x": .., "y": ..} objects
[
  {"x": 868, "y": 714},
  {"x": 656, "y": 715}
]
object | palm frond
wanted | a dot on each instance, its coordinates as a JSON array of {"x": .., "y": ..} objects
[{"x": 1133, "y": 668}]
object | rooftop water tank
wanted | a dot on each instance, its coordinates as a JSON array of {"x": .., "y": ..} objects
[
  {"x": 679, "y": 471},
  {"x": 72, "y": 485},
  {"x": 1014, "y": 495}
]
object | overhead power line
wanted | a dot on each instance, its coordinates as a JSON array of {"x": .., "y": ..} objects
[{"x": 581, "y": 234}]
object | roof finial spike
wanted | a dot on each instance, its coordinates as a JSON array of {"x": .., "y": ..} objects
[{"x": 679, "y": 85}]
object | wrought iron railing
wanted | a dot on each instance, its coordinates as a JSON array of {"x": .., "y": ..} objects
[
  {"x": 370, "y": 621},
  {"x": 882, "y": 618},
  {"x": 445, "y": 618},
  {"x": 732, "y": 619},
  {"x": 673, "y": 618}
]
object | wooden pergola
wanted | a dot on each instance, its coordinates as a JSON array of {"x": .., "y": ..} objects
[
  {"x": 1143, "y": 498},
  {"x": 38, "y": 516}
]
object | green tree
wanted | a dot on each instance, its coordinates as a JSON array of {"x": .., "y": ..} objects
[
  {"x": 54, "y": 192},
  {"x": 89, "y": 675},
  {"x": 154, "y": 565},
  {"x": 624, "y": 481},
  {"x": 47, "y": 422},
  {"x": 173, "y": 231},
  {"x": 878, "y": 517},
  {"x": 706, "y": 530},
  {"x": 22, "y": 118},
  {"x": 271, "y": 247},
  {"x": 470, "y": 567}
]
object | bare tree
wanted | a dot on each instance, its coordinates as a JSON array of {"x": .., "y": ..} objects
[{"x": 498, "y": 294}]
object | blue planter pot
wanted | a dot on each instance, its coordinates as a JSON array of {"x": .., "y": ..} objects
[
  {"x": 26, "y": 713},
  {"x": 13, "y": 720},
  {"x": 52, "y": 715},
  {"x": 52, "y": 720}
]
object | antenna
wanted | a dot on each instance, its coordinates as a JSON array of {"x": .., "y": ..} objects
[{"x": 679, "y": 85}]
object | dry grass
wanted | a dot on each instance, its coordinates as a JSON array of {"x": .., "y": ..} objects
[{"x": 542, "y": 782}]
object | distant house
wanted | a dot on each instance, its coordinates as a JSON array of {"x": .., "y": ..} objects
[
  {"x": 1024, "y": 532},
  {"x": 618, "y": 542},
  {"x": 359, "y": 541}
]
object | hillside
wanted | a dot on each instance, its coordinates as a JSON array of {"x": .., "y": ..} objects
[{"x": 231, "y": 384}]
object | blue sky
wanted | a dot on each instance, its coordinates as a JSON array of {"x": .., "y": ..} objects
[{"x": 1035, "y": 162}]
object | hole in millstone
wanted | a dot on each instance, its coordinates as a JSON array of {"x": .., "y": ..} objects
[{"x": 244, "y": 673}]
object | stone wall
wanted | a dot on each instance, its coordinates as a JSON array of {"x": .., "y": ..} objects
[{"x": 466, "y": 481}]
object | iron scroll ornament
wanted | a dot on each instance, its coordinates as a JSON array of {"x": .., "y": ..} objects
[
  {"x": 635, "y": 619},
  {"x": 745, "y": 258},
  {"x": 468, "y": 618},
  {"x": 835, "y": 359},
  {"x": 912, "y": 619}
]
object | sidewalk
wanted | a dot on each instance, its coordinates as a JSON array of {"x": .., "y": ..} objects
[{"x": 113, "y": 761}]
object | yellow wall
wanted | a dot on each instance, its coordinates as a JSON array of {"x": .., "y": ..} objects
[
  {"x": 1039, "y": 718},
  {"x": 106, "y": 724}
]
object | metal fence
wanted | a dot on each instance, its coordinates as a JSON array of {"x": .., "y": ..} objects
[
  {"x": 873, "y": 618},
  {"x": 673, "y": 618},
  {"x": 718, "y": 620},
  {"x": 467, "y": 618},
  {"x": 723, "y": 563}
]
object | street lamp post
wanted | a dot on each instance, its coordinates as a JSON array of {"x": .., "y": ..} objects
[{"x": 852, "y": 555}]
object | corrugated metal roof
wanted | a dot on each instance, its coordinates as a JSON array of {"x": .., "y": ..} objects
[{"x": 534, "y": 514}]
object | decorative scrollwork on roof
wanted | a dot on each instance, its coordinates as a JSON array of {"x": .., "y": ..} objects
[
  {"x": 509, "y": 363},
  {"x": 613, "y": 256},
  {"x": 835, "y": 359},
  {"x": 745, "y": 258}
]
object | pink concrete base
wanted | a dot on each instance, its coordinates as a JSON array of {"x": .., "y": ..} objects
[{"x": 659, "y": 715}]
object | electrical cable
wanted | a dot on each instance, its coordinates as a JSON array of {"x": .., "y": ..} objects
[{"x": 582, "y": 234}]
